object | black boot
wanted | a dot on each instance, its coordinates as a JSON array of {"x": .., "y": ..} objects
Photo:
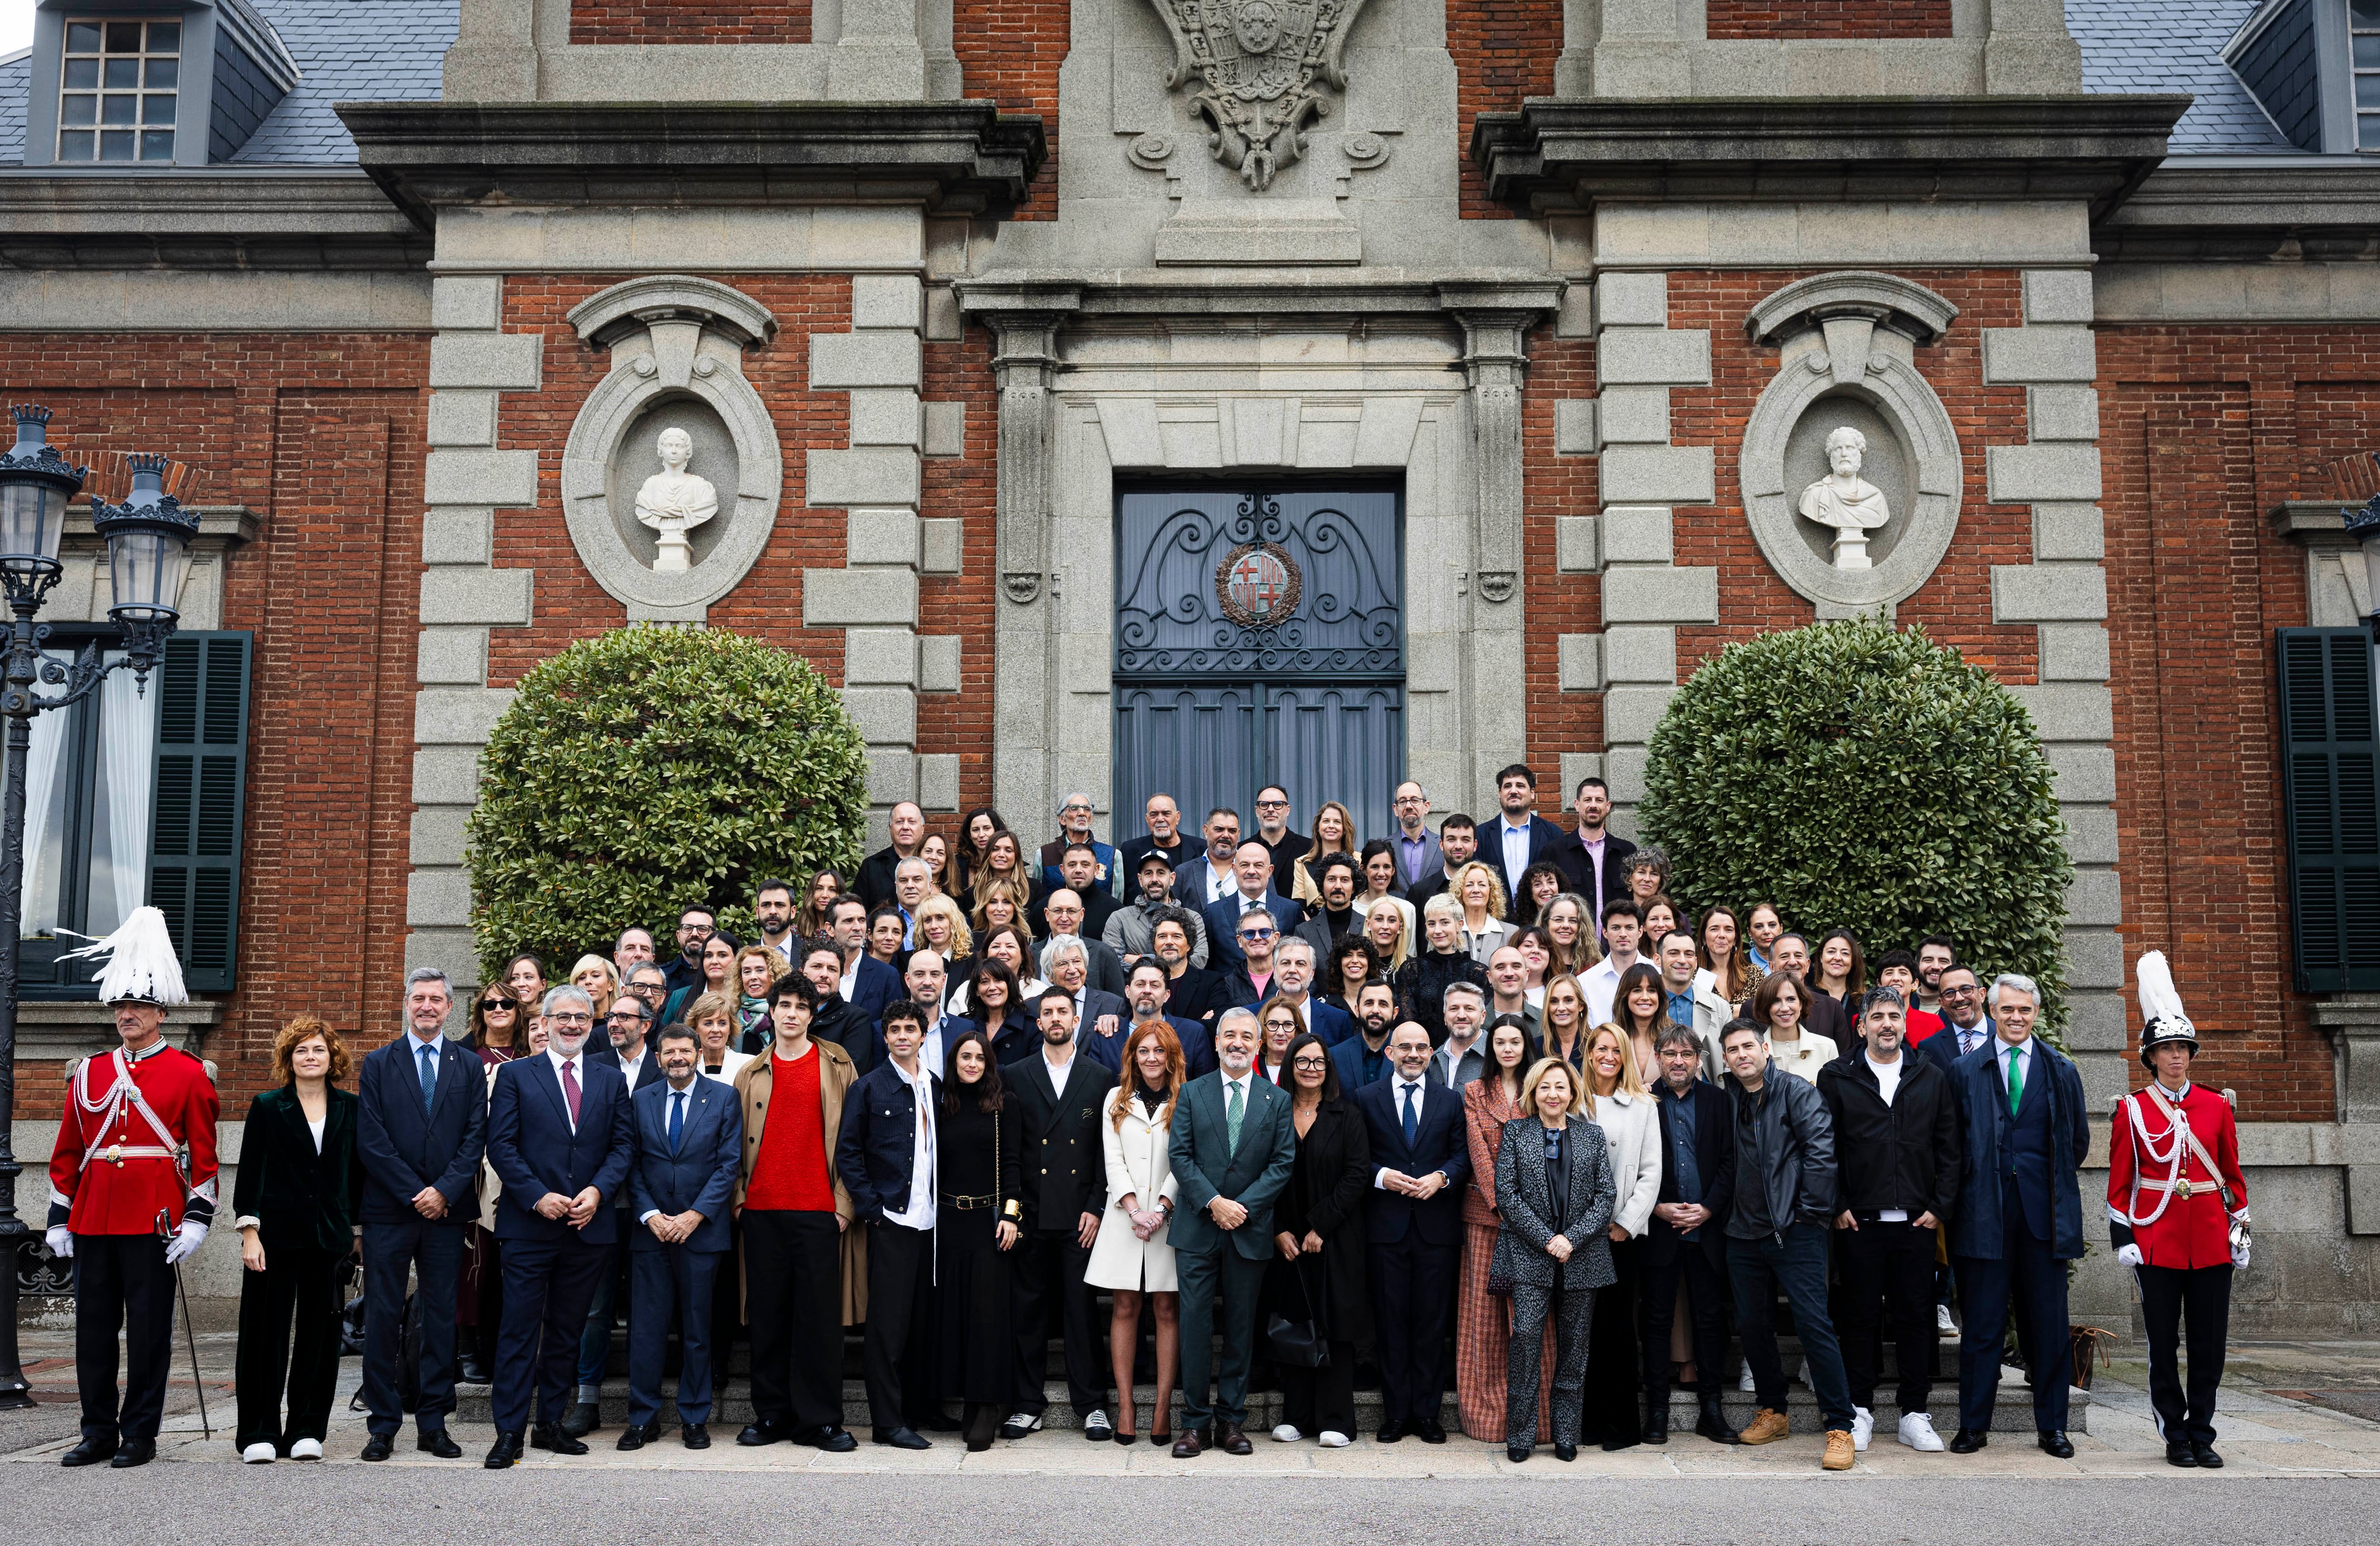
[
  {"x": 1657, "y": 1417},
  {"x": 1712, "y": 1424}
]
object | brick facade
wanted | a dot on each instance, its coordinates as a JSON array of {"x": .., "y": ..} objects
[
  {"x": 1728, "y": 20},
  {"x": 961, "y": 488},
  {"x": 689, "y": 21},
  {"x": 1554, "y": 486},
  {"x": 1009, "y": 52},
  {"x": 1503, "y": 52}
]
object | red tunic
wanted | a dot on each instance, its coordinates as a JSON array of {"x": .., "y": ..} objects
[
  {"x": 2192, "y": 1230},
  {"x": 115, "y": 1165}
]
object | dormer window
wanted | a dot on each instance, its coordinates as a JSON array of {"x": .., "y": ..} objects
[{"x": 119, "y": 87}]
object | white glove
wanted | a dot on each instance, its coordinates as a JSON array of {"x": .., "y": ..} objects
[
  {"x": 185, "y": 1240},
  {"x": 2129, "y": 1255},
  {"x": 60, "y": 1240}
]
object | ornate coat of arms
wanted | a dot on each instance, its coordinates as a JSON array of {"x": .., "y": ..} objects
[{"x": 1258, "y": 59}]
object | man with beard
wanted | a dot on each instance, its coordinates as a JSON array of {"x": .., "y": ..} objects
[
  {"x": 1337, "y": 914},
  {"x": 1197, "y": 992},
  {"x": 1363, "y": 1058},
  {"x": 1458, "y": 840},
  {"x": 833, "y": 1020},
  {"x": 1147, "y": 993},
  {"x": 1128, "y": 928},
  {"x": 772, "y": 909}
]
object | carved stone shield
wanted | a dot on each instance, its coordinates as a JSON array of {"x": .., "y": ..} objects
[
  {"x": 1257, "y": 51},
  {"x": 1257, "y": 46}
]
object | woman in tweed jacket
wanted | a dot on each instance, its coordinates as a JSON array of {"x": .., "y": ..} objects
[{"x": 1555, "y": 1192}]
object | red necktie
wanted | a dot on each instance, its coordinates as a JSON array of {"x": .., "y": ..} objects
[{"x": 570, "y": 1089}]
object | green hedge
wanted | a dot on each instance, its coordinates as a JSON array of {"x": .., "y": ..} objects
[
  {"x": 1865, "y": 778},
  {"x": 649, "y": 770}
]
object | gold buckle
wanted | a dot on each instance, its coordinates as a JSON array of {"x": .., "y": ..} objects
[
  {"x": 2181, "y": 1189},
  {"x": 116, "y": 1154}
]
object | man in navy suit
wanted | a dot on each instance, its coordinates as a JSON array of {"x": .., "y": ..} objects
[
  {"x": 1965, "y": 1028},
  {"x": 1149, "y": 991},
  {"x": 560, "y": 1136},
  {"x": 689, "y": 1143},
  {"x": 1415, "y": 1223},
  {"x": 885, "y": 1155},
  {"x": 627, "y": 1048},
  {"x": 1520, "y": 837},
  {"x": 420, "y": 1129},
  {"x": 1232, "y": 1147},
  {"x": 1364, "y": 1058},
  {"x": 2018, "y": 1220},
  {"x": 868, "y": 984},
  {"x": 1252, "y": 867}
]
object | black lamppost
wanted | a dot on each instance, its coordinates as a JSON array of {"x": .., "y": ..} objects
[{"x": 148, "y": 555}]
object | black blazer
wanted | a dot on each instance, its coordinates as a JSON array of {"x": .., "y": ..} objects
[
  {"x": 1064, "y": 1159},
  {"x": 403, "y": 1149},
  {"x": 1325, "y": 1194},
  {"x": 300, "y": 1200},
  {"x": 1571, "y": 857},
  {"x": 1714, "y": 1157},
  {"x": 1441, "y": 1142}
]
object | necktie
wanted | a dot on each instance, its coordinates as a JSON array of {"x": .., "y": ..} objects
[
  {"x": 2015, "y": 1079},
  {"x": 1231, "y": 1110},
  {"x": 677, "y": 1117},
  {"x": 429, "y": 1076},
  {"x": 570, "y": 1088},
  {"x": 1413, "y": 1115}
]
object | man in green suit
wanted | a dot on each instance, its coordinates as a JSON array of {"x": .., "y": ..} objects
[{"x": 1232, "y": 1146}]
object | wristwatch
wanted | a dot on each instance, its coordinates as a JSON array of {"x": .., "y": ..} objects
[{"x": 1165, "y": 1206}]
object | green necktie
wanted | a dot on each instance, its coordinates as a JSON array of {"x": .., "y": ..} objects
[
  {"x": 1232, "y": 1117},
  {"x": 2015, "y": 1079}
]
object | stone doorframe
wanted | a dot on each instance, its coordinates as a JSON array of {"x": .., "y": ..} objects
[{"x": 1254, "y": 377}]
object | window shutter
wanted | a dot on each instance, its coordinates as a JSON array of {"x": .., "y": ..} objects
[
  {"x": 2331, "y": 780},
  {"x": 202, "y": 781}
]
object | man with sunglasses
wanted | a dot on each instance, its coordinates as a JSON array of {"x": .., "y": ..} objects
[
  {"x": 1252, "y": 981},
  {"x": 1252, "y": 891}
]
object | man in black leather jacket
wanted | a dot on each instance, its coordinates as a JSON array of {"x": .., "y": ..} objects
[{"x": 1776, "y": 1234}]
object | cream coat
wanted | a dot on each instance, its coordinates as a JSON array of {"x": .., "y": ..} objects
[
  {"x": 1140, "y": 1166},
  {"x": 1632, "y": 1130}
]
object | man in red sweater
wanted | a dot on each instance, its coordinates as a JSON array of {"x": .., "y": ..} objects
[{"x": 795, "y": 1210}]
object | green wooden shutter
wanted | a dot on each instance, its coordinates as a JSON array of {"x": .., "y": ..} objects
[
  {"x": 202, "y": 781},
  {"x": 2330, "y": 763}
]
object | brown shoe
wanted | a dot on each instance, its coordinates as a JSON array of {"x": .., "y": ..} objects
[
  {"x": 1767, "y": 1428},
  {"x": 1838, "y": 1451},
  {"x": 1191, "y": 1444},
  {"x": 1233, "y": 1442}
]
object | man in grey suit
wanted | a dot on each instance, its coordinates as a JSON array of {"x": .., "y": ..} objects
[{"x": 1232, "y": 1145}]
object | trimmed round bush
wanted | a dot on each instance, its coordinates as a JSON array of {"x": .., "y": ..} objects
[
  {"x": 1863, "y": 777},
  {"x": 649, "y": 770}
]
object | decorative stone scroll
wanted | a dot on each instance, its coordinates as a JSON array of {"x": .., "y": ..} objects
[
  {"x": 676, "y": 383},
  {"x": 1258, "y": 59},
  {"x": 1847, "y": 376}
]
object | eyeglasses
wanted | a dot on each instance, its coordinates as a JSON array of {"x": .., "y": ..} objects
[
  {"x": 1272, "y": 804},
  {"x": 1310, "y": 1064},
  {"x": 1410, "y": 800},
  {"x": 565, "y": 1017},
  {"x": 1967, "y": 991}
]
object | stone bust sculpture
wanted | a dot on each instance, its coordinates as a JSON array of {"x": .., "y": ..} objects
[
  {"x": 673, "y": 500},
  {"x": 1845, "y": 501}
]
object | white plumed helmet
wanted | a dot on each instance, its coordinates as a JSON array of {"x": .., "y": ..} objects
[
  {"x": 2163, "y": 1021},
  {"x": 141, "y": 966}
]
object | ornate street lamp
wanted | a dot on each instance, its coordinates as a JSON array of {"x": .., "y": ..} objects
[
  {"x": 148, "y": 555},
  {"x": 2362, "y": 523}
]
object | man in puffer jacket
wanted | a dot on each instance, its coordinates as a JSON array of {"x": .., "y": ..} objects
[{"x": 1776, "y": 1234}]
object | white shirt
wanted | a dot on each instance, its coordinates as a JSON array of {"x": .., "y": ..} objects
[
  {"x": 578, "y": 1072},
  {"x": 1887, "y": 1082},
  {"x": 1450, "y": 1057},
  {"x": 1516, "y": 854},
  {"x": 686, "y": 1115},
  {"x": 1057, "y": 1070},
  {"x": 632, "y": 1067},
  {"x": 1221, "y": 882},
  {"x": 437, "y": 1045},
  {"x": 920, "y": 1214},
  {"x": 1602, "y": 985},
  {"x": 1400, "y": 1084},
  {"x": 1970, "y": 1037},
  {"x": 851, "y": 978},
  {"x": 2024, "y": 1051},
  {"x": 314, "y": 1125}
]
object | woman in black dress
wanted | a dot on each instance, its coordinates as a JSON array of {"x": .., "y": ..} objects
[
  {"x": 978, "y": 1148},
  {"x": 1319, "y": 1246}
]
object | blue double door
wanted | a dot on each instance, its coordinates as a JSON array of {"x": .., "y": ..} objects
[{"x": 1259, "y": 640}]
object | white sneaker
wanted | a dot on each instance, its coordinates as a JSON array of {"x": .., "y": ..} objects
[
  {"x": 1743, "y": 1380},
  {"x": 1917, "y": 1432},
  {"x": 1333, "y": 1439},
  {"x": 259, "y": 1454},
  {"x": 1942, "y": 1325},
  {"x": 1863, "y": 1428},
  {"x": 306, "y": 1449},
  {"x": 1286, "y": 1433}
]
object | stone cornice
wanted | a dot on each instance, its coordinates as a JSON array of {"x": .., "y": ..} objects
[
  {"x": 2246, "y": 208},
  {"x": 1334, "y": 292},
  {"x": 959, "y": 157},
  {"x": 219, "y": 218},
  {"x": 1572, "y": 152}
]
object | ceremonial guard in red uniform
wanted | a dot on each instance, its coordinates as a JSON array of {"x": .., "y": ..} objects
[
  {"x": 2178, "y": 1216},
  {"x": 132, "y": 1191}
]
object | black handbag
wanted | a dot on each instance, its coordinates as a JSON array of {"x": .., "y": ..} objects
[{"x": 1298, "y": 1344}]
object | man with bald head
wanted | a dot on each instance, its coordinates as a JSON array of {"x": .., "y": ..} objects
[
  {"x": 874, "y": 884},
  {"x": 1252, "y": 872},
  {"x": 1062, "y": 913},
  {"x": 927, "y": 979}
]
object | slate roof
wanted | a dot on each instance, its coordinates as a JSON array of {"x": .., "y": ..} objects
[
  {"x": 345, "y": 51},
  {"x": 2177, "y": 45}
]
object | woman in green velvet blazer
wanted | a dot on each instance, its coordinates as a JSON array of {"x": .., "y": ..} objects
[{"x": 296, "y": 1202}]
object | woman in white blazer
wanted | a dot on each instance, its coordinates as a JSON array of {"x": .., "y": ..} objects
[
  {"x": 1632, "y": 1131},
  {"x": 1131, "y": 1255}
]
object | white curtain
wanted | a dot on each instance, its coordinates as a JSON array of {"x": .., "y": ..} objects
[
  {"x": 43, "y": 761},
  {"x": 127, "y": 743}
]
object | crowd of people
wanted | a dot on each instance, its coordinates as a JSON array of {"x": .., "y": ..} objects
[{"x": 1469, "y": 1100}]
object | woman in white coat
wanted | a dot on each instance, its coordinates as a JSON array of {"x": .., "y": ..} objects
[
  {"x": 1130, "y": 1257},
  {"x": 1632, "y": 1131}
]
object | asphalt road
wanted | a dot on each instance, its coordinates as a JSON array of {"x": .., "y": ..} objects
[{"x": 384, "y": 1505}]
